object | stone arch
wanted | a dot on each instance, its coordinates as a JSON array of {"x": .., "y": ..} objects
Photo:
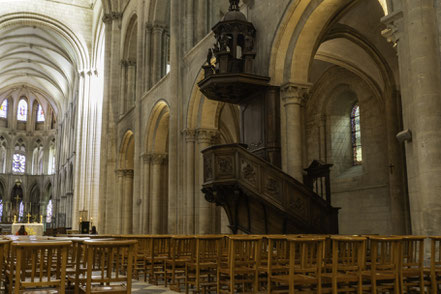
[
  {"x": 125, "y": 173},
  {"x": 129, "y": 65},
  {"x": 299, "y": 34},
  {"x": 157, "y": 169}
]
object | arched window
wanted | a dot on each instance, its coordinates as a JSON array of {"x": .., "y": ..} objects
[
  {"x": 4, "y": 109},
  {"x": 40, "y": 114},
  {"x": 22, "y": 113},
  {"x": 51, "y": 163},
  {"x": 18, "y": 163},
  {"x": 21, "y": 211},
  {"x": 37, "y": 160},
  {"x": 1, "y": 209},
  {"x": 356, "y": 135},
  {"x": 49, "y": 211}
]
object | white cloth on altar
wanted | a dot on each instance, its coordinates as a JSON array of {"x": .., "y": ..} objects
[{"x": 33, "y": 229}]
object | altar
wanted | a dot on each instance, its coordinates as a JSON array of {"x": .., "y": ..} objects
[{"x": 33, "y": 229}]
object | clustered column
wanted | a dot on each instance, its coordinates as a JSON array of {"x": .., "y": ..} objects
[
  {"x": 293, "y": 97},
  {"x": 158, "y": 162},
  {"x": 206, "y": 214},
  {"x": 189, "y": 218}
]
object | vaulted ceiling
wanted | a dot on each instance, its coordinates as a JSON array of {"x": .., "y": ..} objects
[{"x": 37, "y": 58}]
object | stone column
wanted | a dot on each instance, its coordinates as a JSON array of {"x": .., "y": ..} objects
[
  {"x": 189, "y": 18},
  {"x": 127, "y": 201},
  {"x": 146, "y": 193},
  {"x": 323, "y": 146},
  {"x": 201, "y": 29},
  {"x": 206, "y": 210},
  {"x": 148, "y": 57},
  {"x": 123, "y": 88},
  {"x": 293, "y": 97},
  {"x": 131, "y": 84},
  {"x": 158, "y": 162},
  {"x": 189, "y": 218},
  {"x": 157, "y": 53},
  {"x": 419, "y": 60},
  {"x": 117, "y": 227}
]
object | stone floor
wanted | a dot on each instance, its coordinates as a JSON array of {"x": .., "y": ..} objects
[{"x": 142, "y": 287}]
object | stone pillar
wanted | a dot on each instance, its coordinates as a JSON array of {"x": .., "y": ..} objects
[
  {"x": 189, "y": 18},
  {"x": 127, "y": 201},
  {"x": 146, "y": 193},
  {"x": 158, "y": 184},
  {"x": 189, "y": 218},
  {"x": 206, "y": 209},
  {"x": 323, "y": 152},
  {"x": 293, "y": 97},
  {"x": 117, "y": 227},
  {"x": 148, "y": 57},
  {"x": 131, "y": 84},
  {"x": 123, "y": 88},
  {"x": 419, "y": 60},
  {"x": 157, "y": 53},
  {"x": 201, "y": 29}
]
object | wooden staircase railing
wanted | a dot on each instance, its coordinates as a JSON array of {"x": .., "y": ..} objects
[{"x": 259, "y": 198}]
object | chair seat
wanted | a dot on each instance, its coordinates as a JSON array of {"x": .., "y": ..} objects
[
  {"x": 39, "y": 291},
  {"x": 298, "y": 279},
  {"x": 97, "y": 289},
  {"x": 386, "y": 275},
  {"x": 349, "y": 277}
]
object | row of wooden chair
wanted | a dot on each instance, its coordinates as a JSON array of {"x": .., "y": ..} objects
[
  {"x": 288, "y": 264},
  {"x": 41, "y": 265}
]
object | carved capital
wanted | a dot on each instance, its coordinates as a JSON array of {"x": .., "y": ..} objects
[
  {"x": 294, "y": 93},
  {"x": 189, "y": 135},
  {"x": 148, "y": 27},
  {"x": 124, "y": 62},
  {"x": 158, "y": 29},
  {"x": 124, "y": 172},
  {"x": 107, "y": 18},
  {"x": 116, "y": 15},
  {"x": 206, "y": 135},
  {"x": 394, "y": 28},
  {"x": 131, "y": 62},
  {"x": 158, "y": 159}
]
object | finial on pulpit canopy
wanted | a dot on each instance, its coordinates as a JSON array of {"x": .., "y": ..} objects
[{"x": 234, "y": 5}]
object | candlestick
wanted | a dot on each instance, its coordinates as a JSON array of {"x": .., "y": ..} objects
[{"x": 41, "y": 219}]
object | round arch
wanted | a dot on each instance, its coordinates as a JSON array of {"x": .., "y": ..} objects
[
  {"x": 127, "y": 151},
  {"x": 157, "y": 130},
  {"x": 299, "y": 34}
]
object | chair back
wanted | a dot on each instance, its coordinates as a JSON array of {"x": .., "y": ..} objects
[
  {"x": 243, "y": 252},
  {"x": 385, "y": 254},
  {"x": 38, "y": 264},
  {"x": 111, "y": 262},
  {"x": 208, "y": 248}
]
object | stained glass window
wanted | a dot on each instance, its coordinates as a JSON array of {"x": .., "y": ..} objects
[
  {"x": 18, "y": 163},
  {"x": 4, "y": 109},
  {"x": 356, "y": 135},
  {"x": 22, "y": 113},
  {"x": 40, "y": 113},
  {"x": 49, "y": 211},
  {"x": 21, "y": 210},
  {"x": 1, "y": 209}
]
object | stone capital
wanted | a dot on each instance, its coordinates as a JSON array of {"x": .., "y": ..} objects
[
  {"x": 124, "y": 172},
  {"x": 394, "y": 27},
  {"x": 148, "y": 27},
  {"x": 206, "y": 135},
  {"x": 124, "y": 62},
  {"x": 131, "y": 62},
  {"x": 189, "y": 135},
  {"x": 158, "y": 29},
  {"x": 107, "y": 18},
  {"x": 292, "y": 93},
  {"x": 158, "y": 159}
]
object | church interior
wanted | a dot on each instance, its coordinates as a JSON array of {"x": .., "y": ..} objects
[{"x": 220, "y": 146}]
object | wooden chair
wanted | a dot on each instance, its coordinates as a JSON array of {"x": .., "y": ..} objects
[
  {"x": 385, "y": 257},
  {"x": 412, "y": 264},
  {"x": 76, "y": 270},
  {"x": 107, "y": 276},
  {"x": 32, "y": 268},
  {"x": 4, "y": 258},
  {"x": 201, "y": 271},
  {"x": 344, "y": 274},
  {"x": 274, "y": 259},
  {"x": 159, "y": 253},
  {"x": 435, "y": 264},
  {"x": 239, "y": 273},
  {"x": 305, "y": 267},
  {"x": 182, "y": 250}
]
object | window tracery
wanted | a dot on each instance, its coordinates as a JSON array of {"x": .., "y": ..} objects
[
  {"x": 40, "y": 113},
  {"x": 22, "y": 111},
  {"x": 356, "y": 135},
  {"x": 4, "y": 109}
]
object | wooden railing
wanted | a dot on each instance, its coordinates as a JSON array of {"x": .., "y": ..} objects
[{"x": 260, "y": 198}]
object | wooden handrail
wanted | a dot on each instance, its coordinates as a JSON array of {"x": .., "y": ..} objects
[{"x": 232, "y": 165}]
